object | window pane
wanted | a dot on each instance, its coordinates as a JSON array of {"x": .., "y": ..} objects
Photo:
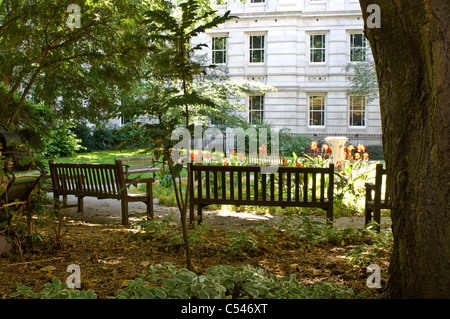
[
  {"x": 358, "y": 48},
  {"x": 219, "y": 50},
  {"x": 317, "y": 48},
  {"x": 257, "y": 42},
  {"x": 256, "y": 48},
  {"x": 357, "y": 111},
  {"x": 317, "y": 110},
  {"x": 256, "y": 109}
]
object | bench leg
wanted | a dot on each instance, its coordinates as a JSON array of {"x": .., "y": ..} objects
[
  {"x": 124, "y": 205},
  {"x": 150, "y": 208},
  {"x": 330, "y": 214},
  {"x": 150, "y": 201},
  {"x": 200, "y": 214},
  {"x": 368, "y": 215},
  {"x": 81, "y": 204},
  {"x": 377, "y": 217}
]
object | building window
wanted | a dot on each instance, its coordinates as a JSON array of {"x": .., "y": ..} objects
[
  {"x": 358, "y": 47},
  {"x": 256, "y": 109},
  {"x": 125, "y": 121},
  {"x": 317, "y": 48},
  {"x": 257, "y": 48},
  {"x": 317, "y": 110},
  {"x": 357, "y": 111},
  {"x": 219, "y": 50}
]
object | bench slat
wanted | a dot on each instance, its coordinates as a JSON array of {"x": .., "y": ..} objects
[{"x": 291, "y": 182}]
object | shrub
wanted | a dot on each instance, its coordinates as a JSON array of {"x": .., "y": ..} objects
[
  {"x": 102, "y": 138},
  {"x": 375, "y": 151},
  {"x": 61, "y": 142},
  {"x": 295, "y": 143}
]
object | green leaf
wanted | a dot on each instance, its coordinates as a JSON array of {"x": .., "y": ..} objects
[
  {"x": 176, "y": 170},
  {"x": 160, "y": 293}
]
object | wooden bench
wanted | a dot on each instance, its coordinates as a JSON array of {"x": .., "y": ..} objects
[
  {"x": 301, "y": 187},
  {"x": 377, "y": 196},
  {"x": 98, "y": 180},
  {"x": 140, "y": 165}
]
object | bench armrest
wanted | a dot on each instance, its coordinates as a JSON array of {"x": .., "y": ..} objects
[{"x": 370, "y": 185}]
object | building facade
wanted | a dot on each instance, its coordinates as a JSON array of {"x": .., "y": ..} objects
[{"x": 301, "y": 48}]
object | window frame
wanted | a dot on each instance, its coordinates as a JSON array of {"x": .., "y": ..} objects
[
  {"x": 250, "y": 109},
  {"x": 351, "y": 112},
  {"x": 364, "y": 48},
  {"x": 213, "y": 50},
  {"x": 324, "y": 48},
  {"x": 323, "y": 110},
  {"x": 251, "y": 50}
]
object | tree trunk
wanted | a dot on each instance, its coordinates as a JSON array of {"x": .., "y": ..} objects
[{"x": 412, "y": 56}]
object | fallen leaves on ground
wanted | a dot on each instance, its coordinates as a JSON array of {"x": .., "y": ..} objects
[{"x": 110, "y": 255}]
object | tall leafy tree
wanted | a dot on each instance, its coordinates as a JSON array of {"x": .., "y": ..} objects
[
  {"x": 174, "y": 68},
  {"x": 85, "y": 65},
  {"x": 411, "y": 44}
]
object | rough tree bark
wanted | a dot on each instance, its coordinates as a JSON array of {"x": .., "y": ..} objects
[{"x": 412, "y": 56}]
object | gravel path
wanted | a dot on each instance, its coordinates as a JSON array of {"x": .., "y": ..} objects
[{"x": 108, "y": 211}]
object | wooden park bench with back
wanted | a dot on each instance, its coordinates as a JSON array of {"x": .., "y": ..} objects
[
  {"x": 287, "y": 187},
  {"x": 377, "y": 196},
  {"x": 140, "y": 165},
  {"x": 98, "y": 180}
]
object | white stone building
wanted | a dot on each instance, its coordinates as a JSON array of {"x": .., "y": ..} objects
[{"x": 300, "y": 47}]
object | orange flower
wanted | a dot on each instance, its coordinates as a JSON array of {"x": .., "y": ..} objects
[
  {"x": 285, "y": 161},
  {"x": 208, "y": 155},
  {"x": 361, "y": 148},
  {"x": 340, "y": 162},
  {"x": 366, "y": 156},
  {"x": 263, "y": 150},
  {"x": 297, "y": 164},
  {"x": 357, "y": 155},
  {"x": 192, "y": 156},
  {"x": 325, "y": 147},
  {"x": 225, "y": 163},
  {"x": 313, "y": 145},
  {"x": 241, "y": 156},
  {"x": 233, "y": 152}
]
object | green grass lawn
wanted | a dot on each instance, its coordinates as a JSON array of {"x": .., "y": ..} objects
[{"x": 103, "y": 157}]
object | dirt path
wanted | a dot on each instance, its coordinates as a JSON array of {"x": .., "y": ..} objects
[{"x": 108, "y": 211}]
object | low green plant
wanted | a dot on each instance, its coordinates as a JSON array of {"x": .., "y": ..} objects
[
  {"x": 220, "y": 282},
  {"x": 241, "y": 242},
  {"x": 164, "y": 229},
  {"x": 361, "y": 255},
  {"x": 54, "y": 290},
  {"x": 307, "y": 229}
]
